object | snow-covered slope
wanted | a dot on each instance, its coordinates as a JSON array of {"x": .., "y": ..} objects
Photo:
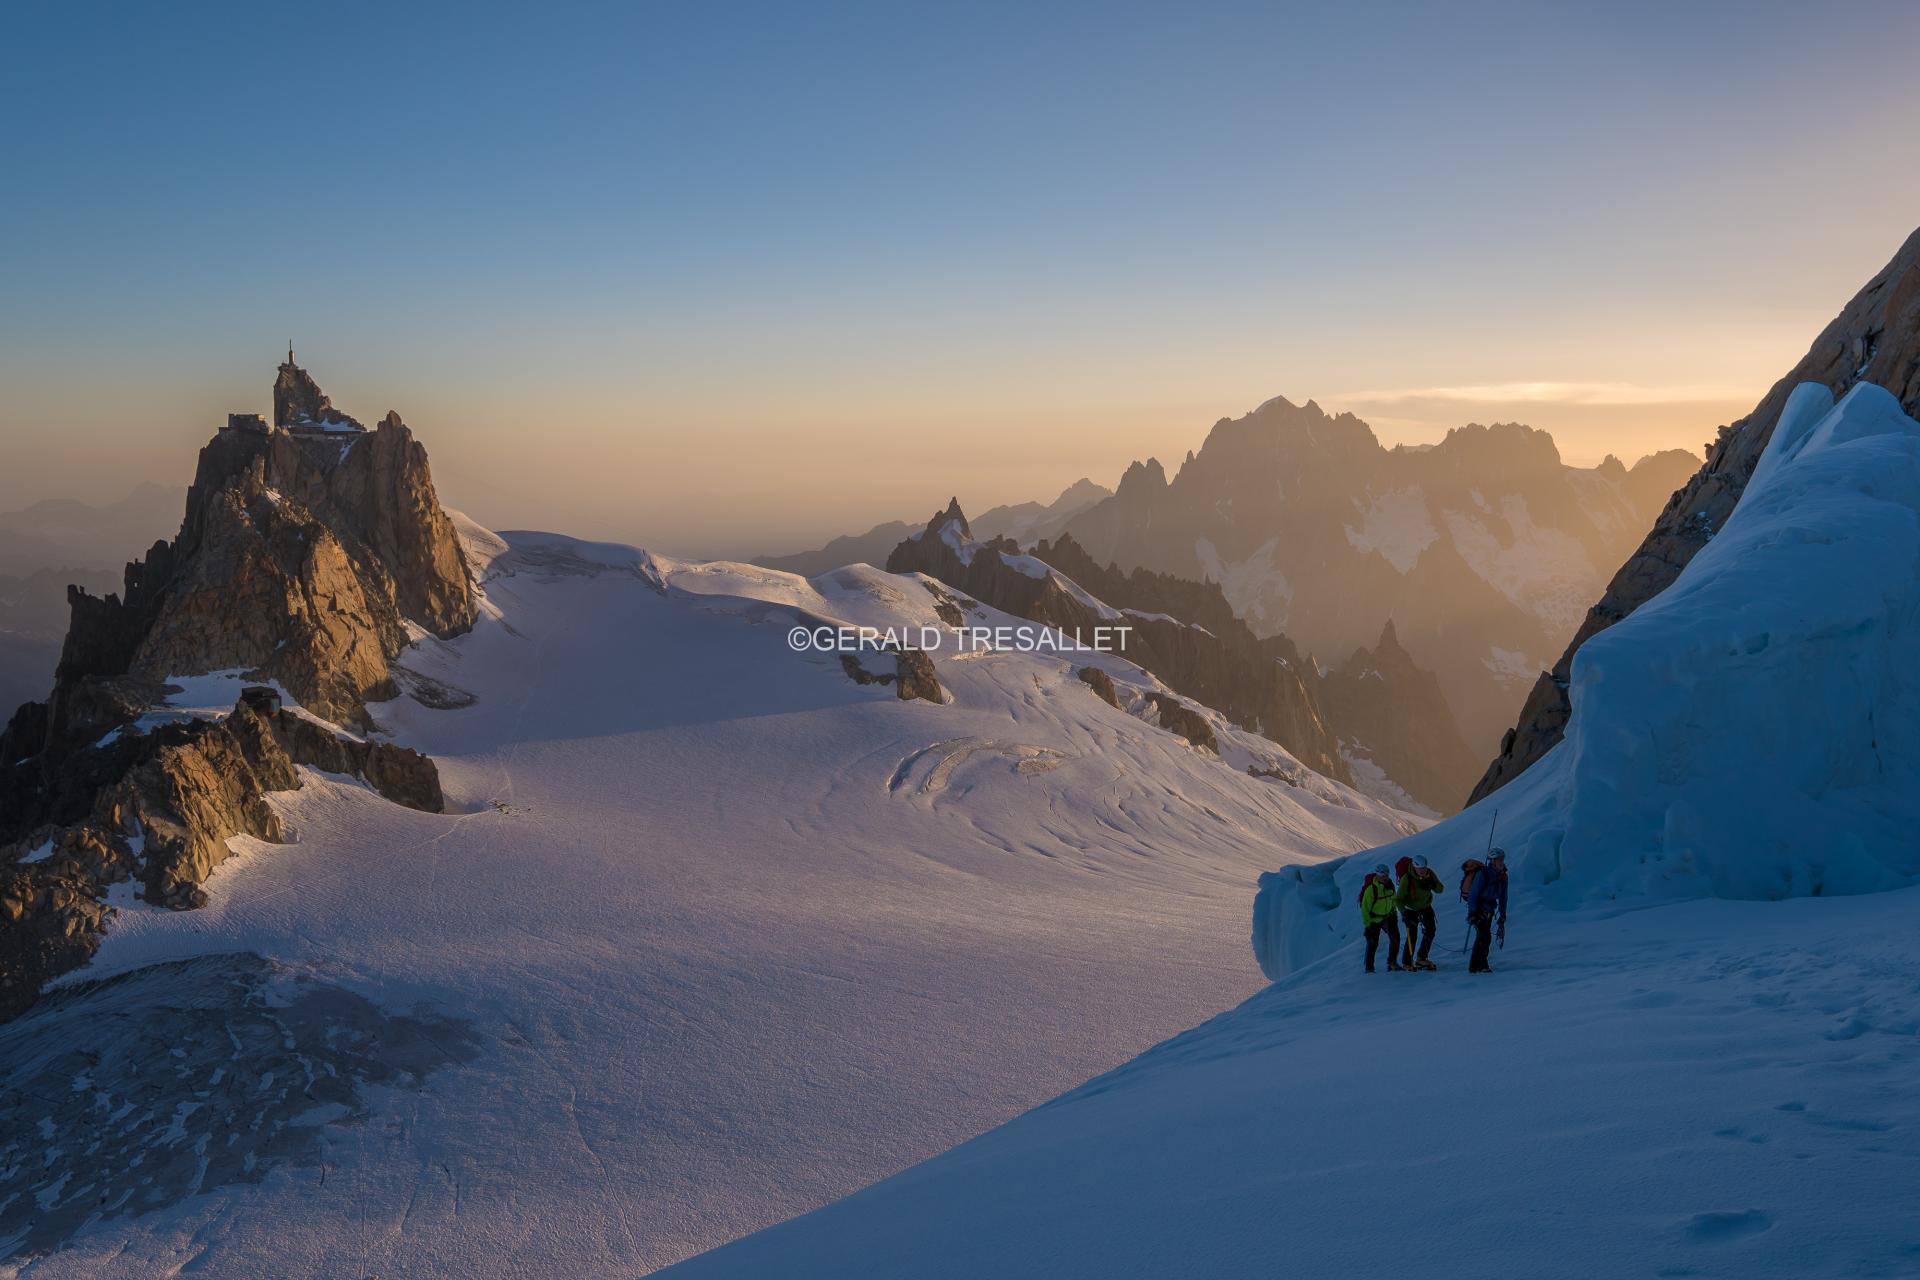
[
  {"x": 710, "y": 936},
  {"x": 1716, "y": 1090},
  {"x": 1697, "y": 1055}
]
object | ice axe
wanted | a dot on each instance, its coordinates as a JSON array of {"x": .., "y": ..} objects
[{"x": 1500, "y": 934}]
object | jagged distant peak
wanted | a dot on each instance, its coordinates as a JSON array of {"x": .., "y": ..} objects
[
  {"x": 952, "y": 516},
  {"x": 1083, "y": 491},
  {"x": 1149, "y": 474}
]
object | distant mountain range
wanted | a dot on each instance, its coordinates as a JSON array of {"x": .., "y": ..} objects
[
  {"x": 1024, "y": 522},
  {"x": 1480, "y": 552},
  {"x": 65, "y": 533},
  {"x": 58, "y": 542}
]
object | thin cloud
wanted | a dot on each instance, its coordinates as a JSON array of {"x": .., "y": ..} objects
[{"x": 1576, "y": 393}]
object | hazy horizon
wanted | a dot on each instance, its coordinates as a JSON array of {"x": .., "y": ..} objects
[{"x": 726, "y": 284}]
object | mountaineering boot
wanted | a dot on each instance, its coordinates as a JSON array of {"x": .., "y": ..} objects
[{"x": 1425, "y": 964}]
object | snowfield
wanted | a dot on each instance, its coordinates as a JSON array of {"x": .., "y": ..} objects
[
  {"x": 1715, "y": 1090},
  {"x": 711, "y": 936},
  {"x": 1698, "y": 1055}
]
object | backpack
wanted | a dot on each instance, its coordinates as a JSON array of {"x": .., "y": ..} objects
[{"x": 1469, "y": 872}]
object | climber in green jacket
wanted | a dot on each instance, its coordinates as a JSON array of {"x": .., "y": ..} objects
[
  {"x": 1414, "y": 897},
  {"x": 1377, "y": 911}
]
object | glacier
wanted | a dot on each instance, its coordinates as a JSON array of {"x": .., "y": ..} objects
[
  {"x": 710, "y": 935},
  {"x": 1695, "y": 1055}
]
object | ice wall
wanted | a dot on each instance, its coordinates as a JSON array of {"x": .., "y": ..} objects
[{"x": 1749, "y": 733}]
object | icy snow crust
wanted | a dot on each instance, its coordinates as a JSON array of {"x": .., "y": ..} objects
[
  {"x": 1667, "y": 1074},
  {"x": 726, "y": 935}
]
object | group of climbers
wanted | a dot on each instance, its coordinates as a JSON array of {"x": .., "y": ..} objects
[{"x": 1404, "y": 896}]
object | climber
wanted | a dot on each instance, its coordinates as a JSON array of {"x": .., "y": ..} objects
[
  {"x": 1486, "y": 895},
  {"x": 1377, "y": 912},
  {"x": 1414, "y": 897}
]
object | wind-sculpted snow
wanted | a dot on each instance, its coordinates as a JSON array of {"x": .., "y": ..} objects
[{"x": 1752, "y": 732}]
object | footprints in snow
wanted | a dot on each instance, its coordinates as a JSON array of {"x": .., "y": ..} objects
[{"x": 1725, "y": 1228}]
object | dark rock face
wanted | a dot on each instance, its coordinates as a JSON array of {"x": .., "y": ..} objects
[
  {"x": 914, "y": 677},
  {"x": 302, "y": 557},
  {"x": 298, "y": 400},
  {"x": 1876, "y": 339},
  {"x": 1259, "y": 684},
  {"x": 1102, "y": 685},
  {"x": 169, "y": 802},
  {"x": 1178, "y": 717},
  {"x": 400, "y": 774},
  {"x": 1396, "y": 714}
]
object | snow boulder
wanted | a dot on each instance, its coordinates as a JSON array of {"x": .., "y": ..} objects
[{"x": 1749, "y": 733}]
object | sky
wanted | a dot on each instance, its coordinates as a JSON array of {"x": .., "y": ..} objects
[{"x": 730, "y": 279}]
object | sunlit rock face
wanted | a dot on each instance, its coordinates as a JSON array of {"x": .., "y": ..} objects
[
  {"x": 1481, "y": 550},
  {"x": 1875, "y": 339}
]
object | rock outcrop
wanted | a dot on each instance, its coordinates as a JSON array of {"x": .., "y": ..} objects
[
  {"x": 1102, "y": 685},
  {"x": 1259, "y": 684},
  {"x": 1875, "y": 338},
  {"x": 1177, "y": 717},
  {"x": 305, "y": 557},
  {"x": 299, "y": 402},
  {"x": 163, "y": 819},
  {"x": 912, "y": 675},
  {"x": 1395, "y": 714}
]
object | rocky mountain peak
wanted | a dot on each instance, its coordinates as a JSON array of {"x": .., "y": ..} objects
[
  {"x": 302, "y": 557},
  {"x": 1501, "y": 451},
  {"x": 953, "y": 515},
  {"x": 298, "y": 400},
  {"x": 1142, "y": 478},
  {"x": 1081, "y": 493}
]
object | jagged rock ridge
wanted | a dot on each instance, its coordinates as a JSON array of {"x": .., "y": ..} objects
[
  {"x": 305, "y": 555},
  {"x": 1482, "y": 549},
  {"x": 1875, "y": 338},
  {"x": 1024, "y": 522},
  {"x": 164, "y": 805},
  {"x": 1186, "y": 633},
  {"x": 1396, "y": 714}
]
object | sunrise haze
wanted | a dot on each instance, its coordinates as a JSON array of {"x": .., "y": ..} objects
[{"x": 733, "y": 280}]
